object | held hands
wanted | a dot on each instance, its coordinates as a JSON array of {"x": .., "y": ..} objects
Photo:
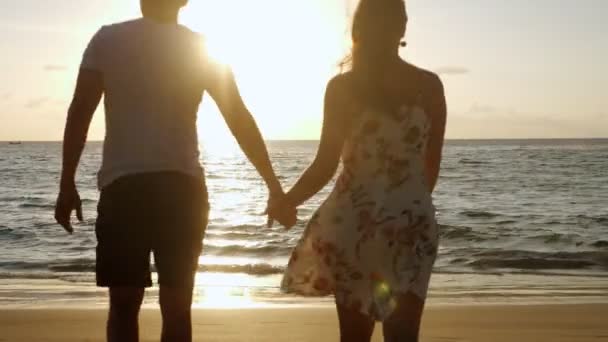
[
  {"x": 68, "y": 201},
  {"x": 279, "y": 210}
]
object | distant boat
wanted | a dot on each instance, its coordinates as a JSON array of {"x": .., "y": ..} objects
[{"x": 14, "y": 143}]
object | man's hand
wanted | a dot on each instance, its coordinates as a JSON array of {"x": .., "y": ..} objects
[
  {"x": 278, "y": 210},
  {"x": 89, "y": 89},
  {"x": 68, "y": 201}
]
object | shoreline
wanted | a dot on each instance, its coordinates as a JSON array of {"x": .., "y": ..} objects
[
  {"x": 227, "y": 291},
  {"x": 497, "y": 323}
]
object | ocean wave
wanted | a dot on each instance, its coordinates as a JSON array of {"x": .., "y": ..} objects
[
  {"x": 24, "y": 198},
  {"x": 448, "y": 232},
  {"x": 489, "y": 262},
  {"x": 37, "y": 205},
  {"x": 251, "y": 269},
  {"x": 215, "y": 176},
  {"x": 530, "y": 260},
  {"x": 557, "y": 237},
  {"x": 595, "y": 219},
  {"x": 77, "y": 270},
  {"x": 233, "y": 235},
  {"x": 37, "y": 202},
  {"x": 479, "y": 214},
  {"x": 505, "y": 222},
  {"x": 28, "y": 275},
  {"x": 86, "y": 273},
  {"x": 23, "y": 265},
  {"x": 532, "y": 263},
  {"x": 263, "y": 250},
  {"x": 505, "y": 271},
  {"x": 467, "y": 161},
  {"x": 252, "y": 229},
  {"x": 255, "y": 233},
  {"x": 14, "y": 234},
  {"x": 76, "y": 266},
  {"x": 600, "y": 244}
]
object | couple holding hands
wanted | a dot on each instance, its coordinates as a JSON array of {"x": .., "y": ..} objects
[{"x": 371, "y": 244}]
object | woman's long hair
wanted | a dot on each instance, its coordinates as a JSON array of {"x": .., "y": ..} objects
[{"x": 377, "y": 29}]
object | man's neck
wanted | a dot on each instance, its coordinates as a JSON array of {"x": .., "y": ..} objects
[{"x": 163, "y": 17}]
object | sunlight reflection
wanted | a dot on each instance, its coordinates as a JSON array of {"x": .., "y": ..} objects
[
  {"x": 223, "y": 298},
  {"x": 223, "y": 291},
  {"x": 219, "y": 260}
]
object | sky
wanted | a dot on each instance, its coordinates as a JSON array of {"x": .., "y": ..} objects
[{"x": 511, "y": 69}]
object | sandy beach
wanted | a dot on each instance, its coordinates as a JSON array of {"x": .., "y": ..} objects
[{"x": 576, "y": 323}]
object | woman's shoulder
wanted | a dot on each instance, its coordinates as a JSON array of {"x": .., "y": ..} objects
[
  {"x": 430, "y": 80},
  {"x": 339, "y": 85},
  {"x": 340, "y": 80},
  {"x": 432, "y": 91}
]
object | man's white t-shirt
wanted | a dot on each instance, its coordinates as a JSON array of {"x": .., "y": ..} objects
[{"x": 153, "y": 77}]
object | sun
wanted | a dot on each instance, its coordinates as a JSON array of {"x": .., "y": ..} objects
[
  {"x": 282, "y": 53},
  {"x": 247, "y": 34}
]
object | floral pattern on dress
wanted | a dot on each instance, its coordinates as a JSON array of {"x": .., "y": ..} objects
[{"x": 375, "y": 237}]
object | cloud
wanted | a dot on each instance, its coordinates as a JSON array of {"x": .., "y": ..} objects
[
  {"x": 487, "y": 121},
  {"x": 36, "y": 103},
  {"x": 452, "y": 70},
  {"x": 485, "y": 110},
  {"x": 505, "y": 114},
  {"x": 482, "y": 108},
  {"x": 15, "y": 26},
  {"x": 54, "y": 67}
]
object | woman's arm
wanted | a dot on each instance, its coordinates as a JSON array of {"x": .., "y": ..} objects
[
  {"x": 327, "y": 160},
  {"x": 437, "y": 110}
]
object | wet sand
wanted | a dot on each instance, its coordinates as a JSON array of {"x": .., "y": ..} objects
[{"x": 477, "y": 323}]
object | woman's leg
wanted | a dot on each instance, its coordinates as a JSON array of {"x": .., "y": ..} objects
[
  {"x": 404, "y": 323},
  {"x": 354, "y": 326}
]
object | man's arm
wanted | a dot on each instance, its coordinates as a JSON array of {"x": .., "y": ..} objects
[
  {"x": 223, "y": 89},
  {"x": 89, "y": 89}
]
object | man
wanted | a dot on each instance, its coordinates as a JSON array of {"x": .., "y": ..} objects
[{"x": 153, "y": 73}]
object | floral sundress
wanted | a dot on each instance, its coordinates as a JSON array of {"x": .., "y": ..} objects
[{"x": 375, "y": 237}]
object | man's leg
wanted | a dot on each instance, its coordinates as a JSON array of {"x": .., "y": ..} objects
[
  {"x": 175, "y": 305},
  {"x": 124, "y": 313},
  {"x": 178, "y": 243},
  {"x": 123, "y": 254}
]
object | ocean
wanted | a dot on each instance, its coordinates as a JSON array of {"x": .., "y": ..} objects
[{"x": 522, "y": 221}]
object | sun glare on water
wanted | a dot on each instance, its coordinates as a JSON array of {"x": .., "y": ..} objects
[{"x": 282, "y": 53}]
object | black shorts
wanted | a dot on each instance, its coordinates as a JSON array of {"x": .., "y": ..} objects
[{"x": 162, "y": 213}]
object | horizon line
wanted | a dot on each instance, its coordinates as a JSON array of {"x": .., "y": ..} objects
[{"x": 315, "y": 140}]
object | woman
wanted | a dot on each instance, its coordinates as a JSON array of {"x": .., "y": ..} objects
[{"x": 374, "y": 240}]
